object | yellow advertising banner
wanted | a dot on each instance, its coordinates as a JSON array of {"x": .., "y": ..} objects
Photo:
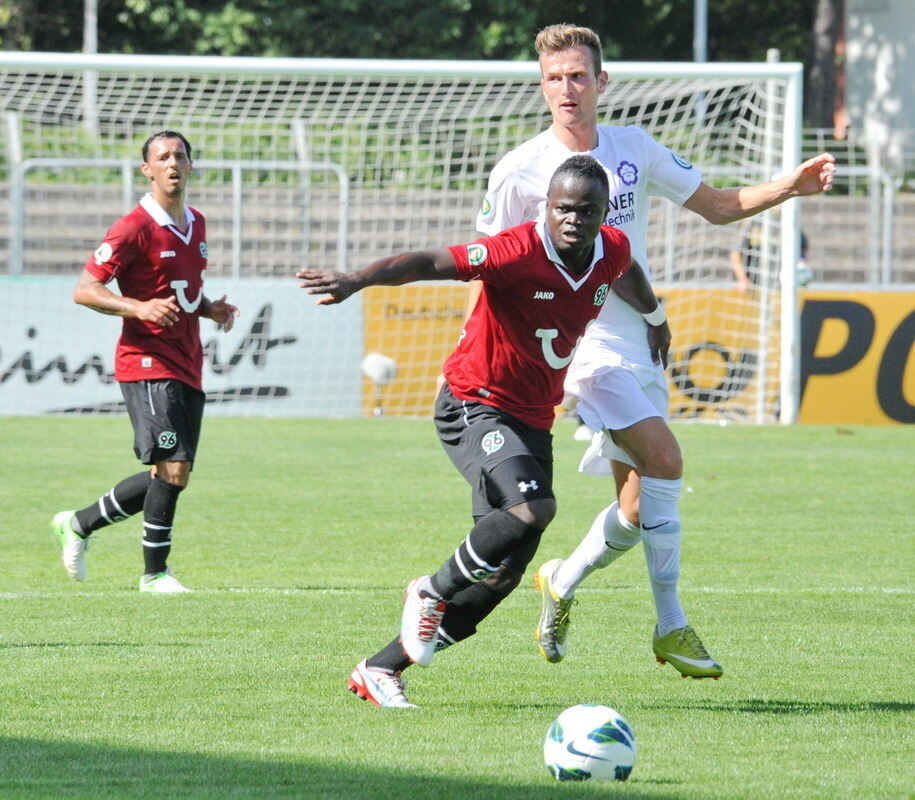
[
  {"x": 417, "y": 326},
  {"x": 857, "y": 363},
  {"x": 714, "y": 364},
  {"x": 857, "y": 357}
]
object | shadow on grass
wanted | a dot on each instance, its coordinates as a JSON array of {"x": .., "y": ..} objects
[
  {"x": 800, "y": 707},
  {"x": 35, "y": 769}
]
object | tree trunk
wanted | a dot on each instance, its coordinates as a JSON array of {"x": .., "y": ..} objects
[{"x": 822, "y": 79}]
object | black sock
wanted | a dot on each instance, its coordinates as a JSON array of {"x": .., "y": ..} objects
[
  {"x": 391, "y": 657},
  {"x": 158, "y": 514},
  {"x": 466, "y": 610},
  {"x": 479, "y": 555},
  {"x": 123, "y": 501}
]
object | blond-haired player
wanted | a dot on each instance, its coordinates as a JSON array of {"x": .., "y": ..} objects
[{"x": 620, "y": 391}]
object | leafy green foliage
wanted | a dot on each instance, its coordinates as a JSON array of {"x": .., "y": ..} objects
[{"x": 651, "y": 30}]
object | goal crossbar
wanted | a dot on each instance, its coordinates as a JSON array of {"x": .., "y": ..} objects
[{"x": 102, "y": 62}]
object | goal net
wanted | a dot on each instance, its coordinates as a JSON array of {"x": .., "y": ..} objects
[{"x": 336, "y": 163}]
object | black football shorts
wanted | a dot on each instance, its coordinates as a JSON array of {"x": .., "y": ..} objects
[
  {"x": 166, "y": 415},
  {"x": 505, "y": 461}
]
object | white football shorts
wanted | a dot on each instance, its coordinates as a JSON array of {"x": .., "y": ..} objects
[{"x": 613, "y": 399}]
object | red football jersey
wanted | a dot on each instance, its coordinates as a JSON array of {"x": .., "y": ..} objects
[
  {"x": 149, "y": 257},
  {"x": 519, "y": 340}
]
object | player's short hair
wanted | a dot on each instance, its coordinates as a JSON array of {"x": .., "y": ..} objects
[
  {"x": 563, "y": 36},
  {"x": 585, "y": 167},
  {"x": 166, "y": 135}
]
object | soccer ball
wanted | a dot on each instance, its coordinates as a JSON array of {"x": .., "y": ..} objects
[
  {"x": 589, "y": 742},
  {"x": 380, "y": 369}
]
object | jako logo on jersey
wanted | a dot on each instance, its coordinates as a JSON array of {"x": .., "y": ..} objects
[
  {"x": 544, "y": 295},
  {"x": 628, "y": 172},
  {"x": 681, "y": 162},
  {"x": 167, "y": 254},
  {"x": 546, "y": 336},
  {"x": 103, "y": 253},
  {"x": 168, "y": 439},
  {"x": 492, "y": 441},
  {"x": 601, "y": 294},
  {"x": 203, "y": 250},
  {"x": 188, "y": 305},
  {"x": 476, "y": 254}
]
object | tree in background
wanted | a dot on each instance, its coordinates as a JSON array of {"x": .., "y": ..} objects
[
  {"x": 822, "y": 73},
  {"x": 652, "y": 30},
  {"x": 50, "y": 25}
]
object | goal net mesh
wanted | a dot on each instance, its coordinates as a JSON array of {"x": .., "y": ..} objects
[{"x": 311, "y": 168}]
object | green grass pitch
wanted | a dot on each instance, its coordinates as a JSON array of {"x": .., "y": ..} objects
[{"x": 298, "y": 537}]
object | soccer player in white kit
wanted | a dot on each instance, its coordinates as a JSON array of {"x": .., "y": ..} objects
[{"x": 619, "y": 389}]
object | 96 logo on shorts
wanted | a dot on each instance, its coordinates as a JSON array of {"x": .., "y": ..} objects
[
  {"x": 168, "y": 439},
  {"x": 492, "y": 441}
]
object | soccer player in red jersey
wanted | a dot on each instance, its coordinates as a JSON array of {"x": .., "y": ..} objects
[
  {"x": 158, "y": 255},
  {"x": 543, "y": 283}
]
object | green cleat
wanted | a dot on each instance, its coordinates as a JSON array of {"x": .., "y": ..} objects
[
  {"x": 686, "y": 653},
  {"x": 73, "y": 545},
  {"x": 554, "y": 615}
]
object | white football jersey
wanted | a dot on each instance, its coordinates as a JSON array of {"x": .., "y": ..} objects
[{"x": 638, "y": 167}]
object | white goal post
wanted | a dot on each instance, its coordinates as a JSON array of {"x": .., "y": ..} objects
[{"x": 338, "y": 162}]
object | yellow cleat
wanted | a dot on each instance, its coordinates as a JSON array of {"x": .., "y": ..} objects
[
  {"x": 686, "y": 653},
  {"x": 554, "y": 615}
]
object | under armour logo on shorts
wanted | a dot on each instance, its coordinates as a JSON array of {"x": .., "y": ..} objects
[{"x": 524, "y": 486}]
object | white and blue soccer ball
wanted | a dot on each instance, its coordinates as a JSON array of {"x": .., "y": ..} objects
[{"x": 589, "y": 742}]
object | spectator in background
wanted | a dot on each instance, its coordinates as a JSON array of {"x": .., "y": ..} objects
[{"x": 744, "y": 258}]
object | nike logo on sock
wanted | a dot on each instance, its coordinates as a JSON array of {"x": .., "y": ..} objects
[{"x": 652, "y": 527}]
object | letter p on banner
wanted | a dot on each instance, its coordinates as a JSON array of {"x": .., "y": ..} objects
[{"x": 857, "y": 358}]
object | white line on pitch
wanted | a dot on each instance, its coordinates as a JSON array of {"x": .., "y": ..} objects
[{"x": 267, "y": 590}]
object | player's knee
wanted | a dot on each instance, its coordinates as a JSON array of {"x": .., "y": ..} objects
[
  {"x": 177, "y": 473},
  {"x": 665, "y": 463},
  {"x": 536, "y": 513}
]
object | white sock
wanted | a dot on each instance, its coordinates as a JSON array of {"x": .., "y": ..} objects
[
  {"x": 661, "y": 537},
  {"x": 610, "y": 536}
]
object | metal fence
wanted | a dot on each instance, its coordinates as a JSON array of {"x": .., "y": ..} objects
[{"x": 53, "y": 211}]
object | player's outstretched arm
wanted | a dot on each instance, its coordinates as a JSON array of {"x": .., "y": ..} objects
[
  {"x": 633, "y": 287},
  {"x": 721, "y": 206},
  {"x": 393, "y": 270},
  {"x": 92, "y": 293}
]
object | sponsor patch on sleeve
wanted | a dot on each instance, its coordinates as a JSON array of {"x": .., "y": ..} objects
[
  {"x": 681, "y": 162},
  {"x": 487, "y": 209},
  {"x": 476, "y": 254},
  {"x": 103, "y": 253}
]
